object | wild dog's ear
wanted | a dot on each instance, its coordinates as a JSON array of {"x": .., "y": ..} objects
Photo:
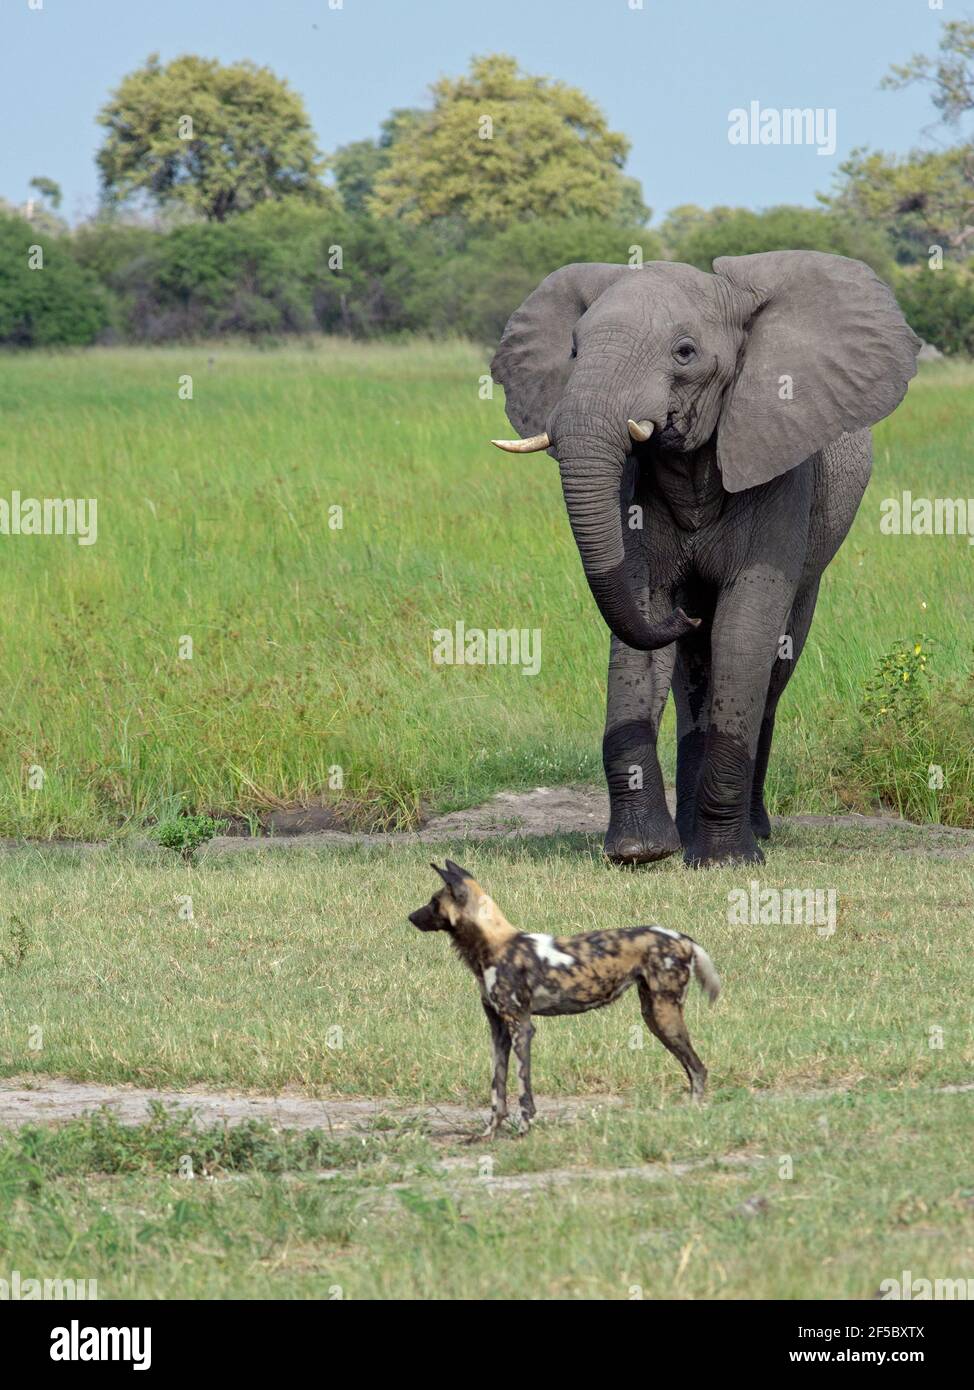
[
  {"x": 827, "y": 352},
  {"x": 455, "y": 868},
  {"x": 453, "y": 876}
]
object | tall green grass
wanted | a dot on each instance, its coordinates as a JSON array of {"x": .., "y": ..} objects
[{"x": 312, "y": 646}]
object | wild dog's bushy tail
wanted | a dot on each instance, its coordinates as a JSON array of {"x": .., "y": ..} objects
[{"x": 703, "y": 969}]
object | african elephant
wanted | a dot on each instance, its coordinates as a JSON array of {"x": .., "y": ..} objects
[{"x": 712, "y": 436}]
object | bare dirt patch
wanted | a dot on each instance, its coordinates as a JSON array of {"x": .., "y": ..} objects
[
  {"x": 552, "y": 811},
  {"x": 52, "y": 1100},
  {"x": 559, "y": 1177},
  {"x": 506, "y": 816},
  {"x": 462, "y": 1177},
  {"x": 543, "y": 811}
]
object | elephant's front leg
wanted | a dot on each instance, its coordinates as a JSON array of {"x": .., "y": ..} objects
[
  {"x": 641, "y": 828},
  {"x": 748, "y": 624},
  {"x": 781, "y": 672}
]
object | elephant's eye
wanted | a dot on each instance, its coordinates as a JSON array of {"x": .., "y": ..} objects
[
  {"x": 685, "y": 351},
  {"x": 574, "y": 351}
]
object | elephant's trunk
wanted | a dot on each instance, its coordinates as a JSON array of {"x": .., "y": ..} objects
[{"x": 592, "y": 451}]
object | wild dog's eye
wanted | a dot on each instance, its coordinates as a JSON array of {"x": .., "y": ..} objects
[{"x": 685, "y": 350}]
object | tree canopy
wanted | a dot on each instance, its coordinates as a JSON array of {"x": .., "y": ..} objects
[
  {"x": 48, "y": 189},
  {"x": 212, "y": 139},
  {"x": 699, "y": 237},
  {"x": 357, "y": 166},
  {"x": 445, "y": 221},
  {"x": 500, "y": 146},
  {"x": 950, "y": 74},
  {"x": 920, "y": 200},
  {"x": 44, "y": 301},
  {"x": 927, "y": 197}
]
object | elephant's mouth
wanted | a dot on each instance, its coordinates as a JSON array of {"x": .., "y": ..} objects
[{"x": 669, "y": 437}]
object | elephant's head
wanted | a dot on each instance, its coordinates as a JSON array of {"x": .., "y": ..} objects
[{"x": 777, "y": 354}]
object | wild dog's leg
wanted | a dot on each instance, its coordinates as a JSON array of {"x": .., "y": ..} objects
[
  {"x": 501, "y": 1049},
  {"x": 522, "y": 1032},
  {"x": 664, "y": 1019}
]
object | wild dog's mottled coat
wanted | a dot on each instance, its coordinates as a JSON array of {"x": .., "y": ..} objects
[{"x": 526, "y": 973}]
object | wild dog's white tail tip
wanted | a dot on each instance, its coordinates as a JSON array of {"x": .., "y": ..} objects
[{"x": 707, "y": 977}]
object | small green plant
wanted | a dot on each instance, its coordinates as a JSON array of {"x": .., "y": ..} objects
[
  {"x": 101, "y": 1143},
  {"x": 185, "y": 834},
  {"x": 912, "y": 749},
  {"x": 899, "y": 689},
  {"x": 13, "y": 951}
]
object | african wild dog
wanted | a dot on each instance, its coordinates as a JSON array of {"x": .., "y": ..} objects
[{"x": 525, "y": 973}]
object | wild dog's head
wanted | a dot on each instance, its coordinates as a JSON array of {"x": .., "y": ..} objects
[{"x": 457, "y": 902}]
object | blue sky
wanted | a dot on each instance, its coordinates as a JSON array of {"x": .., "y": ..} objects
[{"x": 667, "y": 75}]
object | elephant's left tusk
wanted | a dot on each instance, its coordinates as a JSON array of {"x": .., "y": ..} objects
[
  {"x": 640, "y": 430},
  {"x": 531, "y": 445}
]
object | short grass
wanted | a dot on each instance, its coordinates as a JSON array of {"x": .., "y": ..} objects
[
  {"x": 312, "y": 646},
  {"x": 289, "y": 952},
  {"x": 841, "y": 1193},
  {"x": 827, "y": 1058}
]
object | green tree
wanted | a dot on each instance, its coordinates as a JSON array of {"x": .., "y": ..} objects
[
  {"x": 501, "y": 146},
  {"x": 121, "y": 257},
  {"x": 939, "y": 305},
  {"x": 55, "y": 301},
  {"x": 951, "y": 74},
  {"x": 47, "y": 189},
  {"x": 475, "y": 292},
  {"x": 926, "y": 198},
  {"x": 357, "y": 166},
  {"x": 678, "y": 223},
  {"x": 44, "y": 221},
  {"x": 279, "y": 268},
  {"x": 740, "y": 232},
  {"x": 211, "y": 139},
  {"x": 921, "y": 200}
]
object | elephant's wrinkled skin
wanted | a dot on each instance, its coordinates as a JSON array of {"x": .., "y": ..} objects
[{"x": 756, "y": 386}]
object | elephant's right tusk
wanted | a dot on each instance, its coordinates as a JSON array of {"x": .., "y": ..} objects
[
  {"x": 532, "y": 445},
  {"x": 640, "y": 430}
]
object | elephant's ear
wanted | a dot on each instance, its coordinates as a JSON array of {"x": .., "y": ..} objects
[
  {"x": 827, "y": 352},
  {"x": 534, "y": 359}
]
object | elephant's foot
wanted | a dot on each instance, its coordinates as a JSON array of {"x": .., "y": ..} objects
[
  {"x": 685, "y": 821},
  {"x": 760, "y": 822},
  {"x": 640, "y": 838},
  {"x": 723, "y": 832},
  {"x": 710, "y": 848}
]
